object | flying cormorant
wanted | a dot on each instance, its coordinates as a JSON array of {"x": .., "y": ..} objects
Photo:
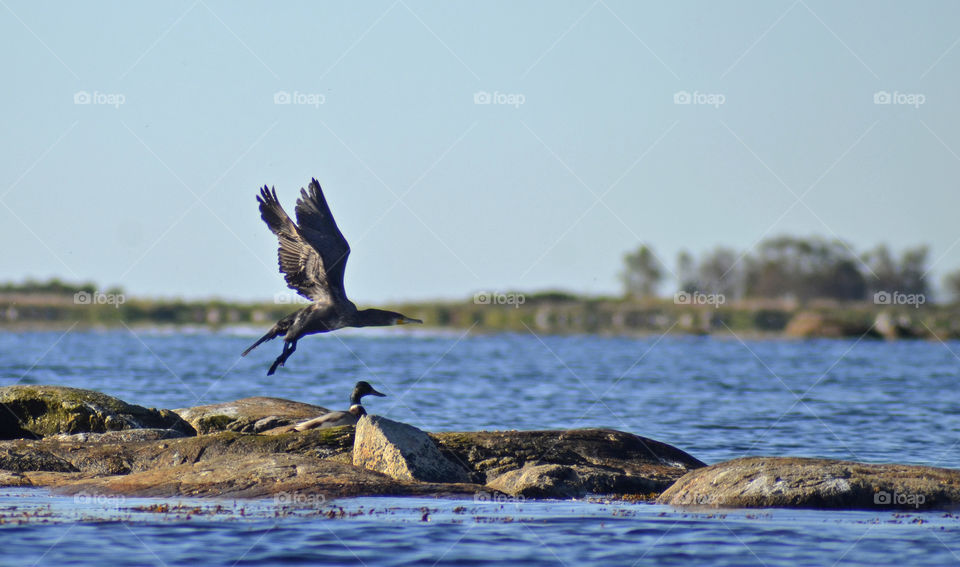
[{"x": 312, "y": 257}]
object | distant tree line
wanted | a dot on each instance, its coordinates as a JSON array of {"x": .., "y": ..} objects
[
  {"x": 788, "y": 267},
  {"x": 53, "y": 286}
]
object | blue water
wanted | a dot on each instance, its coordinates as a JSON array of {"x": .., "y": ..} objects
[{"x": 715, "y": 398}]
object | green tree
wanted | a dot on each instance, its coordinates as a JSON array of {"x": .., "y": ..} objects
[
  {"x": 720, "y": 272},
  {"x": 687, "y": 272},
  {"x": 642, "y": 273},
  {"x": 804, "y": 268},
  {"x": 951, "y": 284}
]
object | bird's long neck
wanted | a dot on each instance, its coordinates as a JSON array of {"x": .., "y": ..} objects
[
  {"x": 355, "y": 398},
  {"x": 373, "y": 318}
]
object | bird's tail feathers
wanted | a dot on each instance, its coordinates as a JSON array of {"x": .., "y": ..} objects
[{"x": 271, "y": 334}]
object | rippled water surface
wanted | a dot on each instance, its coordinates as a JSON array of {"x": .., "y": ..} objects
[{"x": 715, "y": 398}]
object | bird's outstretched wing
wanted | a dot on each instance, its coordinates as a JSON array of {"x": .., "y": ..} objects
[
  {"x": 312, "y": 257},
  {"x": 319, "y": 229}
]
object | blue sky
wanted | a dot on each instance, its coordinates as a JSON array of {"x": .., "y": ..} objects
[{"x": 580, "y": 153}]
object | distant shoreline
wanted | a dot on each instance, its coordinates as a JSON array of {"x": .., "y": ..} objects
[{"x": 539, "y": 314}]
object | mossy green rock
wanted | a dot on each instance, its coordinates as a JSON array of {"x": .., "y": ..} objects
[{"x": 28, "y": 411}]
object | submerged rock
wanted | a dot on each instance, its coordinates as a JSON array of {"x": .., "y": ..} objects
[
  {"x": 249, "y": 415},
  {"x": 41, "y": 411},
  {"x": 402, "y": 452},
  {"x": 789, "y": 482}
]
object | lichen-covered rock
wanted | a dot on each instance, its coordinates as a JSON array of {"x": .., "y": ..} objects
[
  {"x": 82, "y": 452},
  {"x": 294, "y": 480},
  {"x": 789, "y": 482},
  {"x": 571, "y": 481},
  {"x": 402, "y": 451},
  {"x": 249, "y": 415},
  {"x": 125, "y": 436},
  {"x": 539, "y": 481},
  {"x": 30, "y": 411},
  {"x": 117, "y": 457},
  {"x": 559, "y": 464},
  {"x": 21, "y": 461}
]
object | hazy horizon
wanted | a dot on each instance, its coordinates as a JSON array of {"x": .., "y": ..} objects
[{"x": 468, "y": 147}]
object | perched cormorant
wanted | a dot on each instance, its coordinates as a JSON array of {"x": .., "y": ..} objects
[
  {"x": 349, "y": 417},
  {"x": 312, "y": 257}
]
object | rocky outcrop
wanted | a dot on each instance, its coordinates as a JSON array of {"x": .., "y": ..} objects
[
  {"x": 402, "y": 452},
  {"x": 292, "y": 479},
  {"x": 78, "y": 440},
  {"x": 319, "y": 463},
  {"x": 249, "y": 415},
  {"x": 807, "y": 324},
  {"x": 770, "y": 482},
  {"x": 560, "y": 464},
  {"x": 28, "y": 411}
]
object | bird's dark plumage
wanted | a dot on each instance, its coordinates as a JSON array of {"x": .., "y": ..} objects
[{"x": 312, "y": 255}]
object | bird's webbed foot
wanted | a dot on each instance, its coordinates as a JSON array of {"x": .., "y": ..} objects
[{"x": 288, "y": 349}]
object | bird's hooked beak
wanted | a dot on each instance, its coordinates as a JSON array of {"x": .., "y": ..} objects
[
  {"x": 407, "y": 321},
  {"x": 373, "y": 392}
]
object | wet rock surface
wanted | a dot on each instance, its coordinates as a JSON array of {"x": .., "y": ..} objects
[
  {"x": 787, "y": 482},
  {"x": 28, "y": 411}
]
